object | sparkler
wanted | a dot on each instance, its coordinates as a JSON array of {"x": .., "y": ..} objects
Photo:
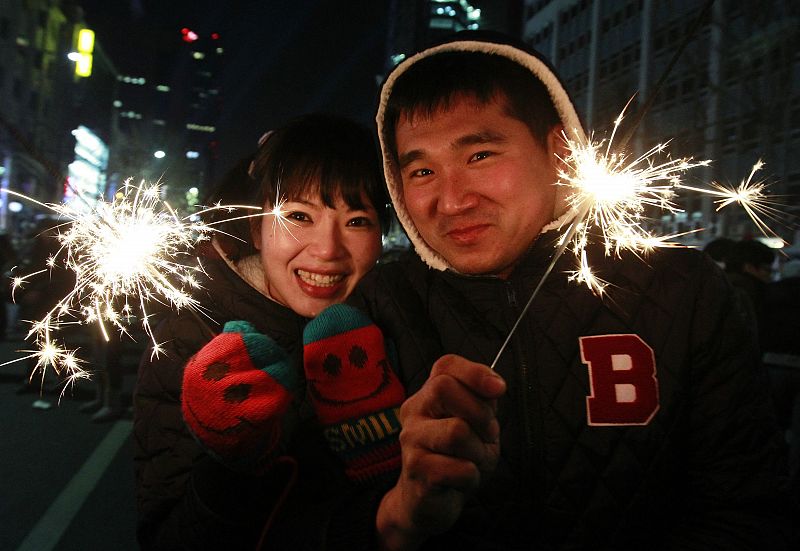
[
  {"x": 124, "y": 254},
  {"x": 609, "y": 196}
]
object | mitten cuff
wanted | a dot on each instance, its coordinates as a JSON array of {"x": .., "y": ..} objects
[{"x": 368, "y": 444}]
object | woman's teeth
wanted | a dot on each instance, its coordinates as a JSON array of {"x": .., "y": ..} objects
[{"x": 320, "y": 280}]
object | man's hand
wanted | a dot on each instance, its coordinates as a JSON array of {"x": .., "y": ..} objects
[{"x": 450, "y": 438}]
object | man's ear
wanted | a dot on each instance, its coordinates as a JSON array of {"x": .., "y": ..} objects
[
  {"x": 557, "y": 146},
  {"x": 255, "y": 231}
]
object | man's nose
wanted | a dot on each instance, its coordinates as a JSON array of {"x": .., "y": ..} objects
[{"x": 455, "y": 193}]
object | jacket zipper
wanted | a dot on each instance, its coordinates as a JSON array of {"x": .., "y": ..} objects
[{"x": 527, "y": 389}]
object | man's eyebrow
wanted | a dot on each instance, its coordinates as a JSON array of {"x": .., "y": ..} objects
[
  {"x": 475, "y": 138},
  {"x": 484, "y": 136},
  {"x": 409, "y": 157}
]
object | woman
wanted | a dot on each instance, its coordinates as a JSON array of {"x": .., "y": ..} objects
[{"x": 320, "y": 184}]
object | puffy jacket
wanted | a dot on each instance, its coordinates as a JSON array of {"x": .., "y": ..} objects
[
  {"x": 695, "y": 466},
  {"x": 188, "y": 500},
  {"x": 635, "y": 420}
]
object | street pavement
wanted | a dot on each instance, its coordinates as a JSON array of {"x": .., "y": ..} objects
[{"x": 65, "y": 483}]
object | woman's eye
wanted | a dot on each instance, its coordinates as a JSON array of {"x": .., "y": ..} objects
[
  {"x": 359, "y": 222},
  {"x": 480, "y": 155},
  {"x": 298, "y": 216}
]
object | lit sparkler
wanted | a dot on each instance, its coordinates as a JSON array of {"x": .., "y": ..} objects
[
  {"x": 124, "y": 254},
  {"x": 609, "y": 194}
]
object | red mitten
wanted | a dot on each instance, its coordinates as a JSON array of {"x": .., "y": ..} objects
[
  {"x": 235, "y": 392},
  {"x": 355, "y": 393}
]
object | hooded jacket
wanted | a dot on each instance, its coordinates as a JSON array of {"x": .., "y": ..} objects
[{"x": 637, "y": 420}]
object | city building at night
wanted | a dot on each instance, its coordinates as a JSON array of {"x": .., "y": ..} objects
[
  {"x": 34, "y": 40},
  {"x": 146, "y": 108},
  {"x": 733, "y": 96}
]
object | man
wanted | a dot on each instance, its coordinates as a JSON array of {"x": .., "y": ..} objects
[
  {"x": 632, "y": 421},
  {"x": 749, "y": 269}
]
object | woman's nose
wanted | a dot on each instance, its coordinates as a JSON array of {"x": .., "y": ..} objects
[{"x": 327, "y": 243}]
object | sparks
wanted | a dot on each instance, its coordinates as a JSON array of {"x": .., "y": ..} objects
[
  {"x": 751, "y": 195},
  {"x": 124, "y": 254},
  {"x": 609, "y": 194}
]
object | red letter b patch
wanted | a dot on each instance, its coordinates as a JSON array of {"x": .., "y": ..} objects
[{"x": 622, "y": 374}]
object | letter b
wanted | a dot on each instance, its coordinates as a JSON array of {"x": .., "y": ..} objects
[{"x": 622, "y": 374}]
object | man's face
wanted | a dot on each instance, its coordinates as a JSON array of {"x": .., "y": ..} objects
[{"x": 476, "y": 183}]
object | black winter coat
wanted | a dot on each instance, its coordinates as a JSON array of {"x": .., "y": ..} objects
[
  {"x": 692, "y": 464},
  {"x": 185, "y": 498}
]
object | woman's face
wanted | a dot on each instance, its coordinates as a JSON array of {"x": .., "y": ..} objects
[{"x": 315, "y": 255}]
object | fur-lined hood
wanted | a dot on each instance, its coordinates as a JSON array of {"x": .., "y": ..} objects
[
  {"x": 248, "y": 268},
  {"x": 530, "y": 61}
]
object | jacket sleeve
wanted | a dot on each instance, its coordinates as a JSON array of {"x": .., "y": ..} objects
[
  {"x": 186, "y": 499},
  {"x": 737, "y": 489}
]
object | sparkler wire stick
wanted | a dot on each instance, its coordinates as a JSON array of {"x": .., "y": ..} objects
[{"x": 567, "y": 239}]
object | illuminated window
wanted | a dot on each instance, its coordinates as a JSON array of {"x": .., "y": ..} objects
[{"x": 200, "y": 127}]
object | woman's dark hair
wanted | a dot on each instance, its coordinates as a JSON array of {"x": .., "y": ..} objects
[{"x": 317, "y": 153}]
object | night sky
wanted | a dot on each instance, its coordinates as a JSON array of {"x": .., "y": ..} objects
[{"x": 282, "y": 57}]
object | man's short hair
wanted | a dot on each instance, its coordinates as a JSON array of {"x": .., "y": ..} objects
[{"x": 434, "y": 82}]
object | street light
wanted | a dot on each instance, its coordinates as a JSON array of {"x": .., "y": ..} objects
[{"x": 159, "y": 154}]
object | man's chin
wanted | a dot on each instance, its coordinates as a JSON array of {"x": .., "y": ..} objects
[{"x": 479, "y": 267}]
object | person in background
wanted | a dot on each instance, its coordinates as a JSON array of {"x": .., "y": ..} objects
[
  {"x": 108, "y": 377},
  {"x": 222, "y": 424},
  {"x": 749, "y": 269},
  {"x": 719, "y": 249},
  {"x": 38, "y": 295},
  {"x": 781, "y": 346},
  {"x": 8, "y": 259}
]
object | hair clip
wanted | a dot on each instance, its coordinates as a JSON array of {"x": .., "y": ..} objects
[
  {"x": 261, "y": 141},
  {"x": 264, "y": 137}
]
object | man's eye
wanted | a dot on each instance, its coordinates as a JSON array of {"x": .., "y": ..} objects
[
  {"x": 480, "y": 155},
  {"x": 421, "y": 172}
]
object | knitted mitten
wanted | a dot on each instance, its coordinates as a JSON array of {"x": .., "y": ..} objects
[
  {"x": 235, "y": 392},
  {"x": 354, "y": 391}
]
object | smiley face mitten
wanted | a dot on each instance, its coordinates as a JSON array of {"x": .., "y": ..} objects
[
  {"x": 236, "y": 390},
  {"x": 355, "y": 393}
]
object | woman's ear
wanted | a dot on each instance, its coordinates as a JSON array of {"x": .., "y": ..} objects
[{"x": 255, "y": 232}]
